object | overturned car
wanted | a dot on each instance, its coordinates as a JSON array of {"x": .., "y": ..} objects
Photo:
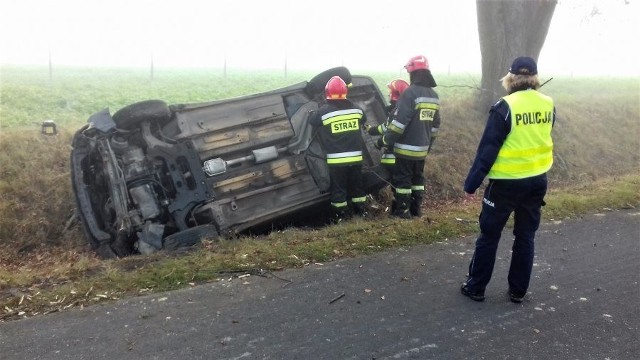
[{"x": 153, "y": 176}]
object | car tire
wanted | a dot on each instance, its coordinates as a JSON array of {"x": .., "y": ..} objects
[
  {"x": 131, "y": 116},
  {"x": 317, "y": 83}
]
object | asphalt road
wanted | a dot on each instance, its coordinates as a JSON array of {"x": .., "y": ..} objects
[{"x": 401, "y": 304}]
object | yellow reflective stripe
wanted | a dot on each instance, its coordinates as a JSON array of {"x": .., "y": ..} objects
[
  {"x": 417, "y": 187},
  {"x": 389, "y": 159},
  {"x": 410, "y": 150},
  {"x": 520, "y": 153},
  {"x": 341, "y": 113},
  {"x": 344, "y": 160},
  {"x": 424, "y": 99},
  {"x": 427, "y": 106},
  {"x": 403, "y": 191},
  {"x": 359, "y": 199},
  {"x": 411, "y": 147},
  {"x": 530, "y": 168},
  {"x": 410, "y": 153},
  {"x": 339, "y": 205},
  {"x": 396, "y": 127},
  {"x": 344, "y": 154}
]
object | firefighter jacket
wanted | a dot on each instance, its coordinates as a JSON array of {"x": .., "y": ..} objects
[
  {"x": 387, "y": 158},
  {"x": 516, "y": 142},
  {"x": 414, "y": 123},
  {"x": 339, "y": 123}
]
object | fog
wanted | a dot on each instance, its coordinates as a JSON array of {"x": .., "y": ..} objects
[{"x": 585, "y": 37}]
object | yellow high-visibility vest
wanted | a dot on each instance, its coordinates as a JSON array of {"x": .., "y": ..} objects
[{"x": 528, "y": 149}]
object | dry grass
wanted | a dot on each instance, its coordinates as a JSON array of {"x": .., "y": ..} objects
[{"x": 35, "y": 189}]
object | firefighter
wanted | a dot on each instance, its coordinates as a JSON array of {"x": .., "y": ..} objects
[
  {"x": 515, "y": 153},
  {"x": 396, "y": 87},
  {"x": 410, "y": 134},
  {"x": 340, "y": 122}
]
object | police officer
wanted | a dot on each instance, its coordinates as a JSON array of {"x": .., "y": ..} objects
[
  {"x": 515, "y": 153},
  {"x": 415, "y": 122},
  {"x": 396, "y": 87},
  {"x": 340, "y": 122}
]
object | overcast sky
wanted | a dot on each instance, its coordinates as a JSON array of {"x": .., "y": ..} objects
[{"x": 587, "y": 37}]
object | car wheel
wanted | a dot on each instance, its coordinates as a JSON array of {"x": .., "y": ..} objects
[
  {"x": 130, "y": 116},
  {"x": 317, "y": 83}
]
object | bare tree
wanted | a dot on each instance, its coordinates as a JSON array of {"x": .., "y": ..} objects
[{"x": 508, "y": 29}]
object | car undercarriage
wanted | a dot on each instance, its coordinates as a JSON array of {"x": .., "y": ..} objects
[{"x": 154, "y": 176}]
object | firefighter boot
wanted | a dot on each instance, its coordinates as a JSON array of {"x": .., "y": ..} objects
[
  {"x": 360, "y": 209},
  {"x": 402, "y": 206},
  {"x": 416, "y": 203},
  {"x": 338, "y": 214}
]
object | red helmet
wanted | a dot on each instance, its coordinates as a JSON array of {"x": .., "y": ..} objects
[
  {"x": 397, "y": 87},
  {"x": 336, "y": 88},
  {"x": 417, "y": 63}
]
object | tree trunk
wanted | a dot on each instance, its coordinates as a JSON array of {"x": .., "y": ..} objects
[{"x": 508, "y": 29}]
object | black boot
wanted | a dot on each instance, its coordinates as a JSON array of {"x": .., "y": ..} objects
[
  {"x": 416, "y": 203},
  {"x": 360, "y": 209},
  {"x": 402, "y": 206},
  {"x": 338, "y": 215}
]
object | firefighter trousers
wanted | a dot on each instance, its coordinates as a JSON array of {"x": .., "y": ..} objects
[
  {"x": 346, "y": 187},
  {"x": 408, "y": 180}
]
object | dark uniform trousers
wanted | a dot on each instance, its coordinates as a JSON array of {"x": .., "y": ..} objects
[
  {"x": 346, "y": 184},
  {"x": 408, "y": 174},
  {"x": 523, "y": 197}
]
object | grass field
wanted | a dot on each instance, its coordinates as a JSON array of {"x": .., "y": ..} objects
[{"x": 45, "y": 263}]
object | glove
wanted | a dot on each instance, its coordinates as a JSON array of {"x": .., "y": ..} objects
[
  {"x": 367, "y": 127},
  {"x": 379, "y": 144}
]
